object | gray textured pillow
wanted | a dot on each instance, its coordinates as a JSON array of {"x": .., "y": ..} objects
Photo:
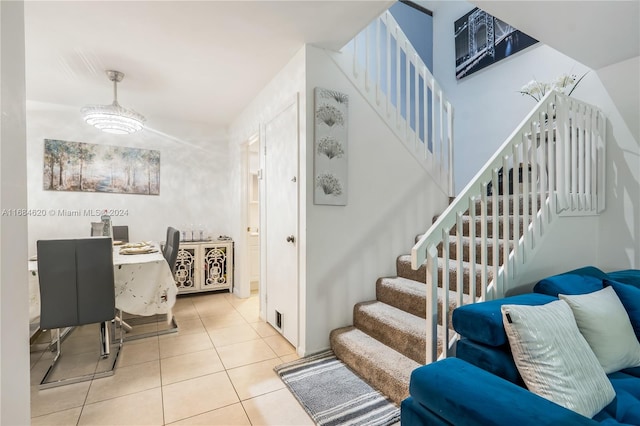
[
  {"x": 554, "y": 359},
  {"x": 606, "y": 326}
]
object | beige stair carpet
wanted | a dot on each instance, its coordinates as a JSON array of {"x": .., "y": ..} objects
[{"x": 388, "y": 338}]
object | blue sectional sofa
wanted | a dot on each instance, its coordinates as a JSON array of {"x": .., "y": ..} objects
[{"x": 482, "y": 386}]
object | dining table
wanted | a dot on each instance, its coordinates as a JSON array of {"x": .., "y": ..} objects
[{"x": 144, "y": 284}]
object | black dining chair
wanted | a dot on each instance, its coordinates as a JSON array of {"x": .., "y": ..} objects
[
  {"x": 171, "y": 247},
  {"x": 76, "y": 281},
  {"x": 120, "y": 233},
  {"x": 170, "y": 253}
]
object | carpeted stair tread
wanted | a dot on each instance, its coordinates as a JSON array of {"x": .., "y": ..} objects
[
  {"x": 388, "y": 339},
  {"x": 466, "y": 244},
  {"x": 466, "y": 223},
  {"x": 382, "y": 367},
  {"x": 403, "y": 293},
  {"x": 400, "y": 330},
  {"x": 511, "y": 201},
  {"x": 410, "y": 295},
  {"x": 403, "y": 266}
]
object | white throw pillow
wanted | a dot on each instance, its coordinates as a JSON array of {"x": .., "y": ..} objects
[
  {"x": 554, "y": 359},
  {"x": 605, "y": 325}
]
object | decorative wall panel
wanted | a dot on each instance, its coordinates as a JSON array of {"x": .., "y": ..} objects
[{"x": 330, "y": 147}]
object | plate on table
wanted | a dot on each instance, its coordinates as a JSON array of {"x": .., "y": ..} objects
[
  {"x": 142, "y": 244},
  {"x": 138, "y": 250}
]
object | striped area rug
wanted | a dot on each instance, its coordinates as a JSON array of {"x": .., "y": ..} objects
[{"x": 332, "y": 394}]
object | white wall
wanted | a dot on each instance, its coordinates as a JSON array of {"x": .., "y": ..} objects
[
  {"x": 343, "y": 249},
  {"x": 14, "y": 332},
  {"x": 194, "y": 177},
  {"x": 559, "y": 252},
  {"x": 348, "y": 248},
  {"x": 609, "y": 241},
  {"x": 623, "y": 85},
  {"x": 619, "y": 225},
  {"x": 391, "y": 199},
  {"x": 488, "y": 108},
  {"x": 487, "y": 104}
]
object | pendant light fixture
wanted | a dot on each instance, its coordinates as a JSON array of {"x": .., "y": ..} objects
[{"x": 113, "y": 118}]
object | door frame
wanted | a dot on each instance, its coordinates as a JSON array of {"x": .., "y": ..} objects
[{"x": 244, "y": 277}]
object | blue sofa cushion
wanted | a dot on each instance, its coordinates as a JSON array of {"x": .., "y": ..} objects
[
  {"x": 463, "y": 395},
  {"x": 633, "y": 371},
  {"x": 495, "y": 359},
  {"x": 482, "y": 322},
  {"x": 414, "y": 413},
  {"x": 627, "y": 276},
  {"x": 625, "y": 408},
  {"x": 630, "y": 298},
  {"x": 579, "y": 281}
]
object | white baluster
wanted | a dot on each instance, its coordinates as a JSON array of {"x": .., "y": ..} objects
[
  {"x": 472, "y": 248},
  {"x": 407, "y": 88},
  {"x": 377, "y": 53},
  {"x": 446, "y": 286},
  {"x": 450, "y": 170},
  {"x": 432, "y": 303}
]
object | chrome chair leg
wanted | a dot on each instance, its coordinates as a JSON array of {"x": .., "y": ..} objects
[
  {"x": 104, "y": 340},
  {"x": 141, "y": 320},
  {"x": 123, "y": 324},
  {"x": 59, "y": 337},
  {"x": 105, "y": 353}
]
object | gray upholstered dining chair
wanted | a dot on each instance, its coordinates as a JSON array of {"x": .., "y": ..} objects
[
  {"x": 170, "y": 253},
  {"x": 120, "y": 233},
  {"x": 76, "y": 281},
  {"x": 97, "y": 229},
  {"x": 171, "y": 247}
]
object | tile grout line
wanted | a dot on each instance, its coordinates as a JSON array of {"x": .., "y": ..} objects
[
  {"x": 226, "y": 369},
  {"x": 244, "y": 409},
  {"x": 164, "y": 420},
  {"x": 231, "y": 381}
]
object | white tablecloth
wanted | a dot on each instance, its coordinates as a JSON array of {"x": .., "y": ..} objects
[{"x": 144, "y": 284}]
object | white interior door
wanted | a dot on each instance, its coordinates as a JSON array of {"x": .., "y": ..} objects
[{"x": 281, "y": 218}]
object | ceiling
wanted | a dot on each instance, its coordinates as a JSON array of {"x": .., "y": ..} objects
[
  {"x": 595, "y": 33},
  {"x": 193, "y": 61},
  {"x": 204, "y": 61}
]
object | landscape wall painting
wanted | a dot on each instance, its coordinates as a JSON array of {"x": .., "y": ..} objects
[{"x": 86, "y": 167}]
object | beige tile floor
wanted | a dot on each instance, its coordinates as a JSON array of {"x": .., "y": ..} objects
[{"x": 217, "y": 370}]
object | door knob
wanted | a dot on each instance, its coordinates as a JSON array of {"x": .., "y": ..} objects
[{"x": 291, "y": 239}]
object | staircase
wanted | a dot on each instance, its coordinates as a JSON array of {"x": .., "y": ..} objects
[
  {"x": 388, "y": 337},
  {"x": 477, "y": 248}
]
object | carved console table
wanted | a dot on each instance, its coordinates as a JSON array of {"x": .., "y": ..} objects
[{"x": 204, "y": 266}]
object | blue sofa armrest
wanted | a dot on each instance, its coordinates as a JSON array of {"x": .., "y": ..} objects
[
  {"x": 496, "y": 360},
  {"x": 579, "y": 281},
  {"x": 462, "y": 394}
]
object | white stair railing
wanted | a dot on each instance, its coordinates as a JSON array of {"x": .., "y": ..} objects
[
  {"x": 389, "y": 73},
  {"x": 555, "y": 159}
]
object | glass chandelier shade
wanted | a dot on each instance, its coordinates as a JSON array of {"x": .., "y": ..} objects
[{"x": 113, "y": 118}]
